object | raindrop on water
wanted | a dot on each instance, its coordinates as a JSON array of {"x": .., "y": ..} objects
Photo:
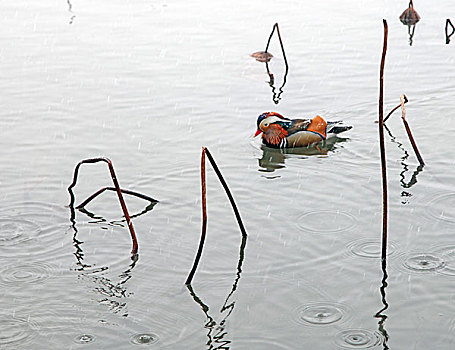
[
  {"x": 357, "y": 339},
  {"x": 144, "y": 339},
  {"x": 424, "y": 262},
  {"x": 84, "y": 338}
]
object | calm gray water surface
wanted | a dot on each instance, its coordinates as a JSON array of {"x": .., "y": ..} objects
[{"x": 147, "y": 84}]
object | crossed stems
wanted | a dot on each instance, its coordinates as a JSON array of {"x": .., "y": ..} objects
[
  {"x": 205, "y": 152},
  {"x": 116, "y": 188}
]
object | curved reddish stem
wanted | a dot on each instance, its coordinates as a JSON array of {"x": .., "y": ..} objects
[{"x": 117, "y": 189}]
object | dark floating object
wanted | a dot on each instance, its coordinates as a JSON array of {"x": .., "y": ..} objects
[
  {"x": 205, "y": 152},
  {"x": 262, "y": 56},
  {"x": 116, "y": 188},
  {"x": 410, "y": 16},
  {"x": 448, "y": 22}
]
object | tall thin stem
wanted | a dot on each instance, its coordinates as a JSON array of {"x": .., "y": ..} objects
[
  {"x": 382, "y": 145},
  {"x": 204, "y": 220}
]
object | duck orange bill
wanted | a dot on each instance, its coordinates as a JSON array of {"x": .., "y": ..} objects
[{"x": 258, "y": 131}]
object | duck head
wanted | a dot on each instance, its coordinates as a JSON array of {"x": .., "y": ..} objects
[{"x": 263, "y": 124}]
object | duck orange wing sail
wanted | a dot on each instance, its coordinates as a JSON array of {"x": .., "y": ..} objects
[{"x": 319, "y": 126}]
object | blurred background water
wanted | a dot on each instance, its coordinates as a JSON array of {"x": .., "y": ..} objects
[{"x": 147, "y": 84}]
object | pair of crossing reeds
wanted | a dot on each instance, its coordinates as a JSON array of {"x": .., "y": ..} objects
[
  {"x": 403, "y": 100},
  {"x": 120, "y": 192}
]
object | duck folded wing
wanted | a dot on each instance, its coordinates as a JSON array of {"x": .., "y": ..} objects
[
  {"x": 298, "y": 125},
  {"x": 316, "y": 125}
]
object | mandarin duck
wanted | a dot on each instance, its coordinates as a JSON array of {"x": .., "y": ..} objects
[{"x": 280, "y": 132}]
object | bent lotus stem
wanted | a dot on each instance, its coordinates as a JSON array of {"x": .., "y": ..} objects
[
  {"x": 275, "y": 26},
  {"x": 408, "y": 130},
  {"x": 117, "y": 189},
  {"x": 100, "y": 191},
  {"x": 206, "y": 153},
  {"x": 395, "y": 108}
]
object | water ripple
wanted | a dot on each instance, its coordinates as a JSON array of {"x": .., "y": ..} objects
[
  {"x": 26, "y": 273},
  {"x": 15, "y": 230},
  {"x": 84, "y": 339},
  {"x": 447, "y": 254},
  {"x": 144, "y": 339},
  {"x": 370, "y": 248},
  {"x": 423, "y": 262},
  {"x": 258, "y": 343},
  {"x": 33, "y": 229},
  {"x": 322, "y": 313},
  {"x": 442, "y": 207},
  {"x": 358, "y": 339},
  {"x": 16, "y": 331},
  {"x": 85, "y": 325},
  {"x": 326, "y": 221}
]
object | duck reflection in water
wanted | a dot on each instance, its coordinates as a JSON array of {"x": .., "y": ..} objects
[{"x": 273, "y": 159}]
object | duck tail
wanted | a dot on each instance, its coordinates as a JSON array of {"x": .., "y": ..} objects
[{"x": 336, "y": 128}]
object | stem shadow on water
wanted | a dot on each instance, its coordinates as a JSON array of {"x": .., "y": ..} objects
[
  {"x": 111, "y": 293},
  {"x": 413, "y": 179},
  {"x": 217, "y": 334},
  {"x": 276, "y": 95}
]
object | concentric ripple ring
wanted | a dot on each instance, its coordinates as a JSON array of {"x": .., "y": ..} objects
[{"x": 326, "y": 221}]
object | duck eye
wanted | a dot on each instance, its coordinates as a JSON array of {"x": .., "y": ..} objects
[{"x": 266, "y": 124}]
